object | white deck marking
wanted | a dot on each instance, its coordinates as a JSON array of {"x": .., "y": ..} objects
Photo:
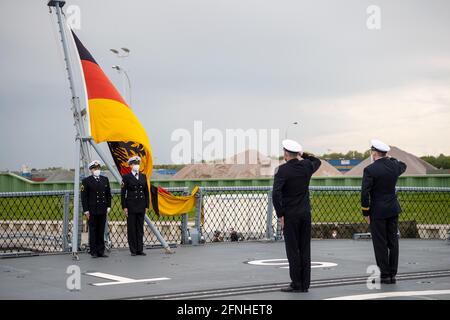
[
  {"x": 283, "y": 263},
  {"x": 269, "y": 262},
  {"x": 119, "y": 280},
  {"x": 318, "y": 265},
  {"x": 391, "y": 294}
]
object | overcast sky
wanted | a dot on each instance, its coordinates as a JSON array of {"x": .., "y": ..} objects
[{"x": 235, "y": 64}]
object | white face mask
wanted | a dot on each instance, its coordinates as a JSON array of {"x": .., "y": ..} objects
[
  {"x": 96, "y": 172},
  {"x": 135, "y": 168}
]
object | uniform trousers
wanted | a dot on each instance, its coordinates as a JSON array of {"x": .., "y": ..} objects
[
  {"x": 96, "y": 224},
  {"x": 385, "y": 244},
  {"x": 135, "y": 231},
  {"x": 297, "y": 238}
]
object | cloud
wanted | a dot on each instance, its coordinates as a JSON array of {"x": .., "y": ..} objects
[
  {"x": 414, "y": 118},
  {"x": 235, "y": 64}
]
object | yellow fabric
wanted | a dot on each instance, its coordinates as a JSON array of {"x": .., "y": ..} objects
[
  {"x": 170, "y": 205},
  {"x": 111, "y": 120}
]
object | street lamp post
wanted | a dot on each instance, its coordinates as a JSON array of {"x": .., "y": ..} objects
[
  {"x": 124, "y": 72},
  {"x": 123, "y": 53},
  {"x": 286, "y": 131}
]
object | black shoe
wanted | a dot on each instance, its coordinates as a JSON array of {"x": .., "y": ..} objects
[
  {"x": 290, "y": 289},
  {"x": 141, "y": 254},
  {"x": 393, "y": 280},
  {"x": 94, "y": 256},
  {"x": 133, "y": 254},
  {"x": 103, "y": 255},
  {"x": 385, "y": 280}
]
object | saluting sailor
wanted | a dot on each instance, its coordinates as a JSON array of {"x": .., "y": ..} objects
[
  {"x": 96, "y": 201},
  {"x": 135, "y": 200},
  {"x": 381, "y": 207},
  {"x": 291, "y": 201}
]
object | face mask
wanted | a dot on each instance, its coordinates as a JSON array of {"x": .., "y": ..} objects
[
  {"x": 135, "y": 168},
  {"x": 96, "y": 172}
]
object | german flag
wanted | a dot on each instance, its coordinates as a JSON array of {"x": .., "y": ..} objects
[
  {"x": 165, "y": 203},
  {"x": 111, "y": 120}
]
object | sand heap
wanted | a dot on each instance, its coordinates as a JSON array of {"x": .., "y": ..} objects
[
  {"x": 327, "y": 170},
  {"x": 415, "y": 165},
  {"x": 248, "y": 164}
]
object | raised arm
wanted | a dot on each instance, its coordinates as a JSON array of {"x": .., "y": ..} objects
[
  {"x": 402, "y": 167},
  {"x": 314, "y": 161}
]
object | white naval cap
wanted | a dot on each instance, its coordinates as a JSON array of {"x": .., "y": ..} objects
[
  {"x": 135, "y": 158},
  {"x": 94, "y": 164},
  {"x": 379, "y": 145},
  {"x": 292, "y": 146}
]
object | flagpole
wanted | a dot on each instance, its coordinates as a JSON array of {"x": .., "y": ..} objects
[
  {"x": 76, "y": 201},
  {"x": 81, "y": 147},
  {"x": 76, "y": 108}
]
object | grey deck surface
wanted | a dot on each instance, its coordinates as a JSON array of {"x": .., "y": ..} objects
[{"x": 219, "y": 266}]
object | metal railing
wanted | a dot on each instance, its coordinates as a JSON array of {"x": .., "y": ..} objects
[{"x": 42, "y": 221}]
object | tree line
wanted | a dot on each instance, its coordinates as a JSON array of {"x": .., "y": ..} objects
[{"x": 441, "y": 161}]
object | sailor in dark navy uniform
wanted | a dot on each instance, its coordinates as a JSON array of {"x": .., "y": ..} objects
[
  {"x": 96, "y": 201},
  {"x": 381, "y": 207},
  {"x": 291, "y": 202},
  {"x": 135, "y": 200}
]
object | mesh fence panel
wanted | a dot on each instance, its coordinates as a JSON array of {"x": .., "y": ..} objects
[
  {"x": 235, "y": 214},
  {"x": 426, "y": 213},
  {"x": 169, "y": 227},
  {"x": 42, "y": 221},
  {"x": 336, "y": 212},
  {"x": 32, "y": 221}
]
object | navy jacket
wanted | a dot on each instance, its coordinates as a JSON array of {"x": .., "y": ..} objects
[
  {"x": 378, "y": 197},
  {"x": 290, "y": 193},
  {"x": 135, "y": 195},
  {"x": 95, "y": 195}
]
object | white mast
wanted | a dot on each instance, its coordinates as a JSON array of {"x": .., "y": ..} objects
[{"x": 82, "y": 154}]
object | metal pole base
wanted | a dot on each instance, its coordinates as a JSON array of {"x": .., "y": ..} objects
[
  {"x": 75, "y": 256},
  {"x": 169, "y": 251},
  {"x": 156, "y": 233}
]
